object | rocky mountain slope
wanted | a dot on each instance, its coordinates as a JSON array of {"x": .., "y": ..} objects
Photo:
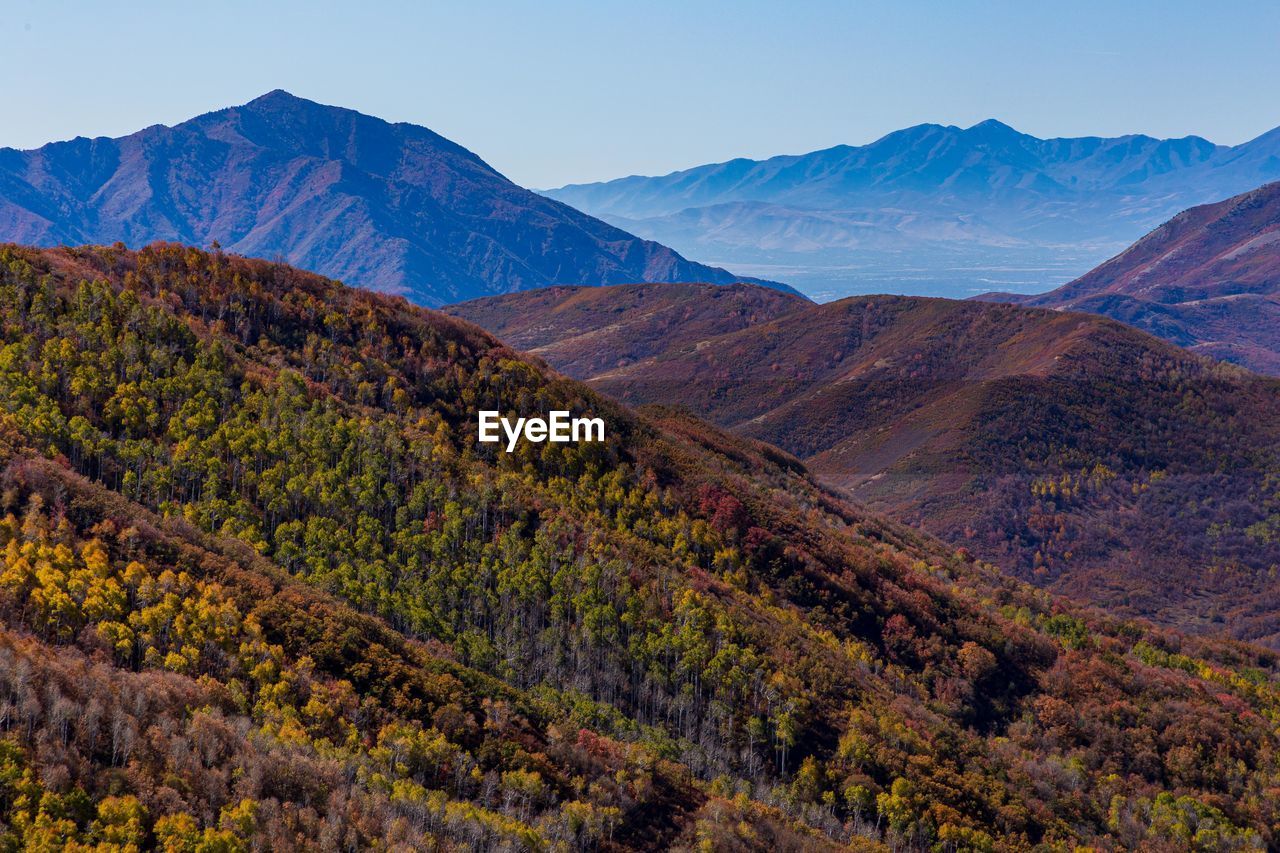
[{"x": 391, "y": 207}]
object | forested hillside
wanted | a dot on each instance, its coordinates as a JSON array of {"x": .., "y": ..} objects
[
  {"x": 261, "y": 588},
  {"x": 1074, "y": 452}
]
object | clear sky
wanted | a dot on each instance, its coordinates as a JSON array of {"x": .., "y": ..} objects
[{"x": 551, "y": 92}]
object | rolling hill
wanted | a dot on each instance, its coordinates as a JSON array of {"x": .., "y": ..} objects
[
  {"x": 1207, "y": 280},
  {"x": 585, "y": 332},
  {"x": 931, "y": 210},
  {"x": 262, "y": 589},
  {"x": 391, "y": 207},
  {"x": 1071, "y": 450}
]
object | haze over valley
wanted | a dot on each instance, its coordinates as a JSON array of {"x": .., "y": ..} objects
[{"x": 931, "y": 210}]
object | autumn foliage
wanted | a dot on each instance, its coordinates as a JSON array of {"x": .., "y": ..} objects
[{"x": 262, "y": 588}]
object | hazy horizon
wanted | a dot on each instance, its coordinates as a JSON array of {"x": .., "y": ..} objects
[{"x": 569, "y": 93}]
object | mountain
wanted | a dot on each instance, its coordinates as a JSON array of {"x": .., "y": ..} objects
[
  {"x": 1072, "y": 451},
  {"x": 931, "y": 210},
  {"x": 1208, "y": 279},
  {"x": 262, "y": 589},
  {"x": 391, "y": 207}
]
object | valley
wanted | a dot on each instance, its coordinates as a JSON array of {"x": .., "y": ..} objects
[
  {"x": 931, "y": 210},
  {"x": 916, "y": 491}
]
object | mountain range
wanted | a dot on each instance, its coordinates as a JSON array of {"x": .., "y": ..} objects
[
  {"x": 391, "y": 207},
  {"x": 1208, "y": 279},
  {"x": 931, "y": 209},
  {"x": 931, "y": 575},
  {"x": 262, "y": 589},
  {"x": 1071, "y": 450}
]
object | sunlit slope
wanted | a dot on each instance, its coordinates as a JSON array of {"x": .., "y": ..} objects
[{"x": 670, "y": 637}]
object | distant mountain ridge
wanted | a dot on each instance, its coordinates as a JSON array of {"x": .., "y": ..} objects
[
  {"x": 932, "y": 207},
  {"x": 390, "y": 207},
  {"x": 1208, "y": 279}
]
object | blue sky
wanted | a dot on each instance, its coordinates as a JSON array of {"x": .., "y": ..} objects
[{"x": 553, "y": 92}]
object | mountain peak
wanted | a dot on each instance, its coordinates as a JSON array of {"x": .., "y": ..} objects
[
  {"x": 277, "y": 95},
  {"x": 280, "y": 100},
  {"x": 391, "y": 207},
  {"x": 992, "y": 127}
]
